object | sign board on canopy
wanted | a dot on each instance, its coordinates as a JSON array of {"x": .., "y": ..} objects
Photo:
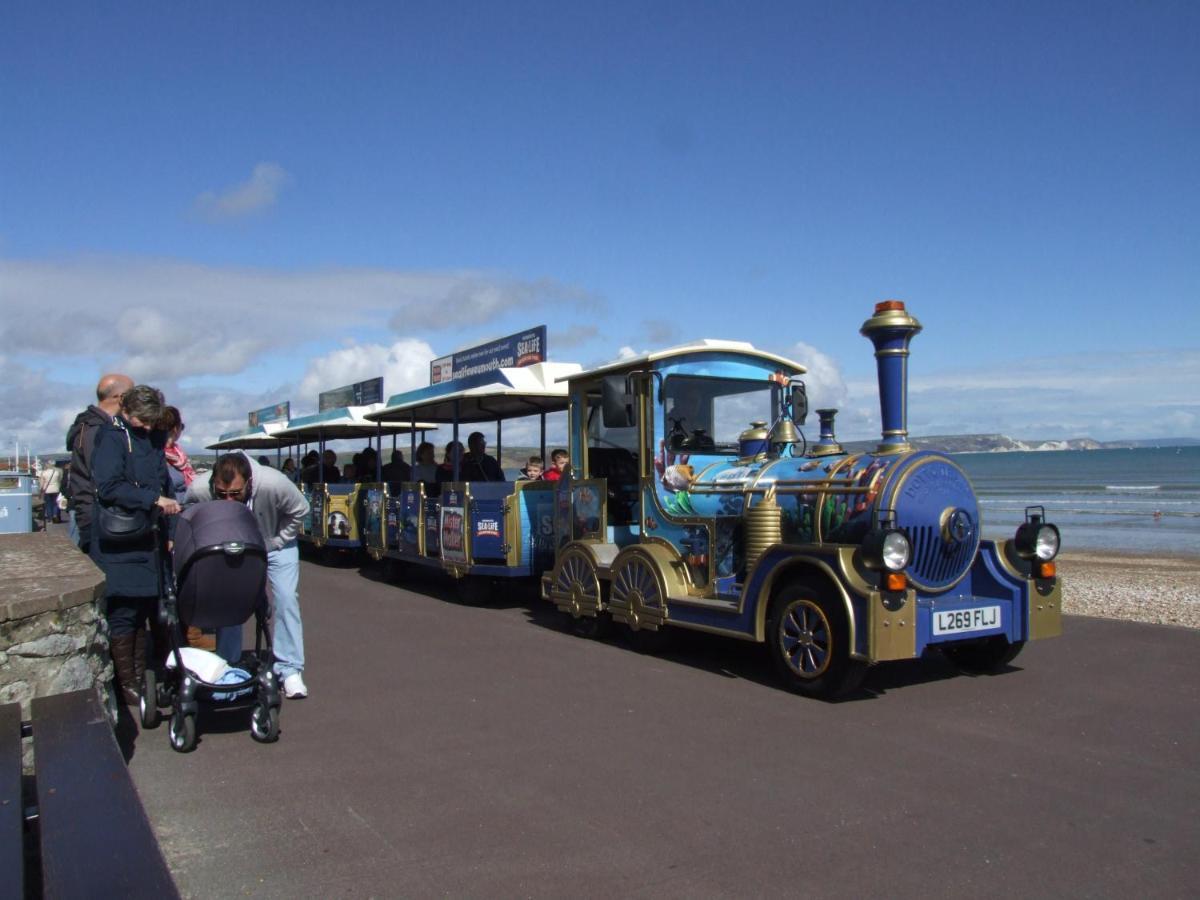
[
  {"x": 522, "y": 349},
  {"x": 361, "y": 393},
  {"x": 280, "y": 412}
]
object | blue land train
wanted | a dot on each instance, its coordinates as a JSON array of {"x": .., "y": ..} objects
[{"x": 694, "y": 501}]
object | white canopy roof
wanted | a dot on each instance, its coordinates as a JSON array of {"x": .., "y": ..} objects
[
  {"x": 344, "y": 422},
  {"x": 504, "y": 393},
  {"x": 706, "y": 345}
]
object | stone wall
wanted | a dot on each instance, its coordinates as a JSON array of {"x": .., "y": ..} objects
[{"x": 52, "y": 635}]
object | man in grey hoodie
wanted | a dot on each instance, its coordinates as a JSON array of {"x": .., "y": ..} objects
[{"x": 280, "y": 508}]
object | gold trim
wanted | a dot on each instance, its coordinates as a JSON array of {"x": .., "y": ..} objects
[
  {"x": 1045, "y": 611},
  {"x": 891, "y": 631}
]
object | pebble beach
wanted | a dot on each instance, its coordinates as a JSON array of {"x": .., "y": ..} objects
[{"x": 1160, "y": 589}]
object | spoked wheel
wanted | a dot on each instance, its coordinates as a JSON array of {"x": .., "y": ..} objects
[
  {"x": 264, "y": 724},
  {"x": 578, "y": 593},
  {"x": 148, "y": 702},
  {"x": 183, "y": 732},
  {"x": 983, "y": 657},
  {"x": 638, "y": 597},
  {"x": 809, "y": 642}
]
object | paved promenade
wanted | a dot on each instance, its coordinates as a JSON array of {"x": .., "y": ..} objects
[{"x": 451, "y": 751}]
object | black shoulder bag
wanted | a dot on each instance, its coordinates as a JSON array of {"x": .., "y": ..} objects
[{"x": 119, "y": 525}]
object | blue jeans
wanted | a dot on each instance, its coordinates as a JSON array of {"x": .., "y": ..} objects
[{"x": 283, "y": 579}]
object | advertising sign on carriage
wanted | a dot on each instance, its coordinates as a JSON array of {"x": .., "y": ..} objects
[
  {"x": 514, "y": 351},
  {"x": 280, "y": 412},
  {"x": 361, "y": 393}
]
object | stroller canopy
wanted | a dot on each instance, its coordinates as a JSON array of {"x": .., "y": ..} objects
[{"x": 211, "y": 523}]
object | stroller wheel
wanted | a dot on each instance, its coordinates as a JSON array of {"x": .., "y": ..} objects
[
  {"x": 264, "y": 724},
  {"x": 183, "y": 732},
  {"x": 149, "y": 700}
]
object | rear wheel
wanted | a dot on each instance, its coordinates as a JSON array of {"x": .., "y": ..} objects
[
  {"x": 985, "y": 656},
  {"x": 808, "y": 639}
]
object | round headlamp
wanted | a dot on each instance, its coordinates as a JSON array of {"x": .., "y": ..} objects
[
  {"x": 886, "y": 549},
  {"x": 1037, "y": 540}
]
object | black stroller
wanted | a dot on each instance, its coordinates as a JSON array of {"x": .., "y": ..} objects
[{"x": 220, "y": 580}]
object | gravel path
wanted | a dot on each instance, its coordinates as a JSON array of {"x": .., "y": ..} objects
[{"x": 1164, "y": 590}]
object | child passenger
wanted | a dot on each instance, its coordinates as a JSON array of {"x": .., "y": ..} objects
[
  {"x": 533, "y": 469},
  {"x": 558, "y": 460}
]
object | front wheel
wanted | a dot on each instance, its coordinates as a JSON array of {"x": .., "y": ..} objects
[
  {"x": 985, "y": 656},
  {"x": 149, "y": 699},
  {"x": 808, "y": 639},
  {"x": 264, "y": 724},
  {"x": 183, "y": 732}
]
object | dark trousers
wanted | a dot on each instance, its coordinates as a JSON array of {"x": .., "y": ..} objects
[{"x": 127, "y": 615}]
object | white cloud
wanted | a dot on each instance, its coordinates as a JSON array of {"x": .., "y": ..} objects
[
  {"x": 169, "y": 319},
  {"x": 255, "y": 195},
  {"x": 404, "y": 365}
]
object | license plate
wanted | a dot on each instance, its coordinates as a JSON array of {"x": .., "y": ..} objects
[{"x": 960, "y": 621}]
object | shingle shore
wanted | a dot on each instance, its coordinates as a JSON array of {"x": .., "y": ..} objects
[{"x": 1163, "y": 590}]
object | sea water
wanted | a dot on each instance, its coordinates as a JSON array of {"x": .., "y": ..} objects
[{"x": 1140, "y": 500}]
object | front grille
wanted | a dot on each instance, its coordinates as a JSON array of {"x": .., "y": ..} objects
[{"x": 936, "y": 564}]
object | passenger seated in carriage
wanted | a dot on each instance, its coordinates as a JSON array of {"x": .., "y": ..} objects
[
  {"x": 478, "y": 465},
  {"x": 533, "y": 469},
  {"x": 558, "y": 462}
]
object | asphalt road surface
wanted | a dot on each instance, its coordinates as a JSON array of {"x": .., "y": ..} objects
[{"x": 456, "y": 751}]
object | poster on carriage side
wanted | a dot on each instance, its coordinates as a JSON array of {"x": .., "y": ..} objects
[
  {"x": 453, "y": 527},
  {"x": 512, "y": 352}
]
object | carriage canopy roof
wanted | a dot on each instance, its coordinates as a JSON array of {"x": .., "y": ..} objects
[
  {"x": 344, "y": 422},
  {"x": 504, "y": 393},
  {"x": 260, "y": 437},
  {"x": 707, "y": 345}
]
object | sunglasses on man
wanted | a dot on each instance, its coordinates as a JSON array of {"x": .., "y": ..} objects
[{"x": 240, "y": 494}]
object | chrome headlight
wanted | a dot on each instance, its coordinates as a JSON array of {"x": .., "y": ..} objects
[
  {"x": 886, "y": 549},
  {"x": 1037, "y": 540}
]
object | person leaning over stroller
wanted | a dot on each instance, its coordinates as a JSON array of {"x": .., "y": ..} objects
[{"x": 279, "y": 507}]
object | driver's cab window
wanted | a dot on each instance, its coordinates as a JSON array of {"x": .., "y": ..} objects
[
  {"x": 612, "y": 454},
  {"x": 707, "y": 415}
]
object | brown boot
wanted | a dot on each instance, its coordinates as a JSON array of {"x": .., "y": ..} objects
[{"x": 124, "y": 673}]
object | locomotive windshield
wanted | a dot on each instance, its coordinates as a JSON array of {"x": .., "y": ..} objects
[{"x": 709, "y": 414}]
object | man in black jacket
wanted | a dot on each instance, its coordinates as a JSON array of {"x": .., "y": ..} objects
[{"x": 81, "y": 439}]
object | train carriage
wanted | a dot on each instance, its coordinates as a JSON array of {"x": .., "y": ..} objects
[
  {"x": 694, "y": 501},
  {"x": 475, "y": 531},
  {"x": 337, "y": 508}
]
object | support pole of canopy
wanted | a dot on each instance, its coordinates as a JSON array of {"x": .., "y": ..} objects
[
  {"x": 456, "y": 454},
  {"x": 379, "y": 451},
  {"x": 412, "y": 438},
  {"x": 543, "y": 418},
  {"x": 499, "y": 445}
]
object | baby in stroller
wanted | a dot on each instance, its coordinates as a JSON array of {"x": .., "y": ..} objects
[{"x": 220, "y": 580}]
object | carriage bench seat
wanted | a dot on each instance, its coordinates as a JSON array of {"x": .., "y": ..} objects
[{"x": 84, "y": 833}]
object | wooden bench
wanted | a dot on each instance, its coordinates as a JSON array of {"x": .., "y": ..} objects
[{"x": 88, "y": 834}]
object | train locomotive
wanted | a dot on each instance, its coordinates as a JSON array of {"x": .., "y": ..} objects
[{"x": 693, "y": 500}]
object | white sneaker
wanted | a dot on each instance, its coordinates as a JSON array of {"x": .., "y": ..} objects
[{"x": 294, "y": 687}]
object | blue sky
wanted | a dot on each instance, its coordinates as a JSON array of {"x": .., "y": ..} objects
[{"x": 246, "y": 203}]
